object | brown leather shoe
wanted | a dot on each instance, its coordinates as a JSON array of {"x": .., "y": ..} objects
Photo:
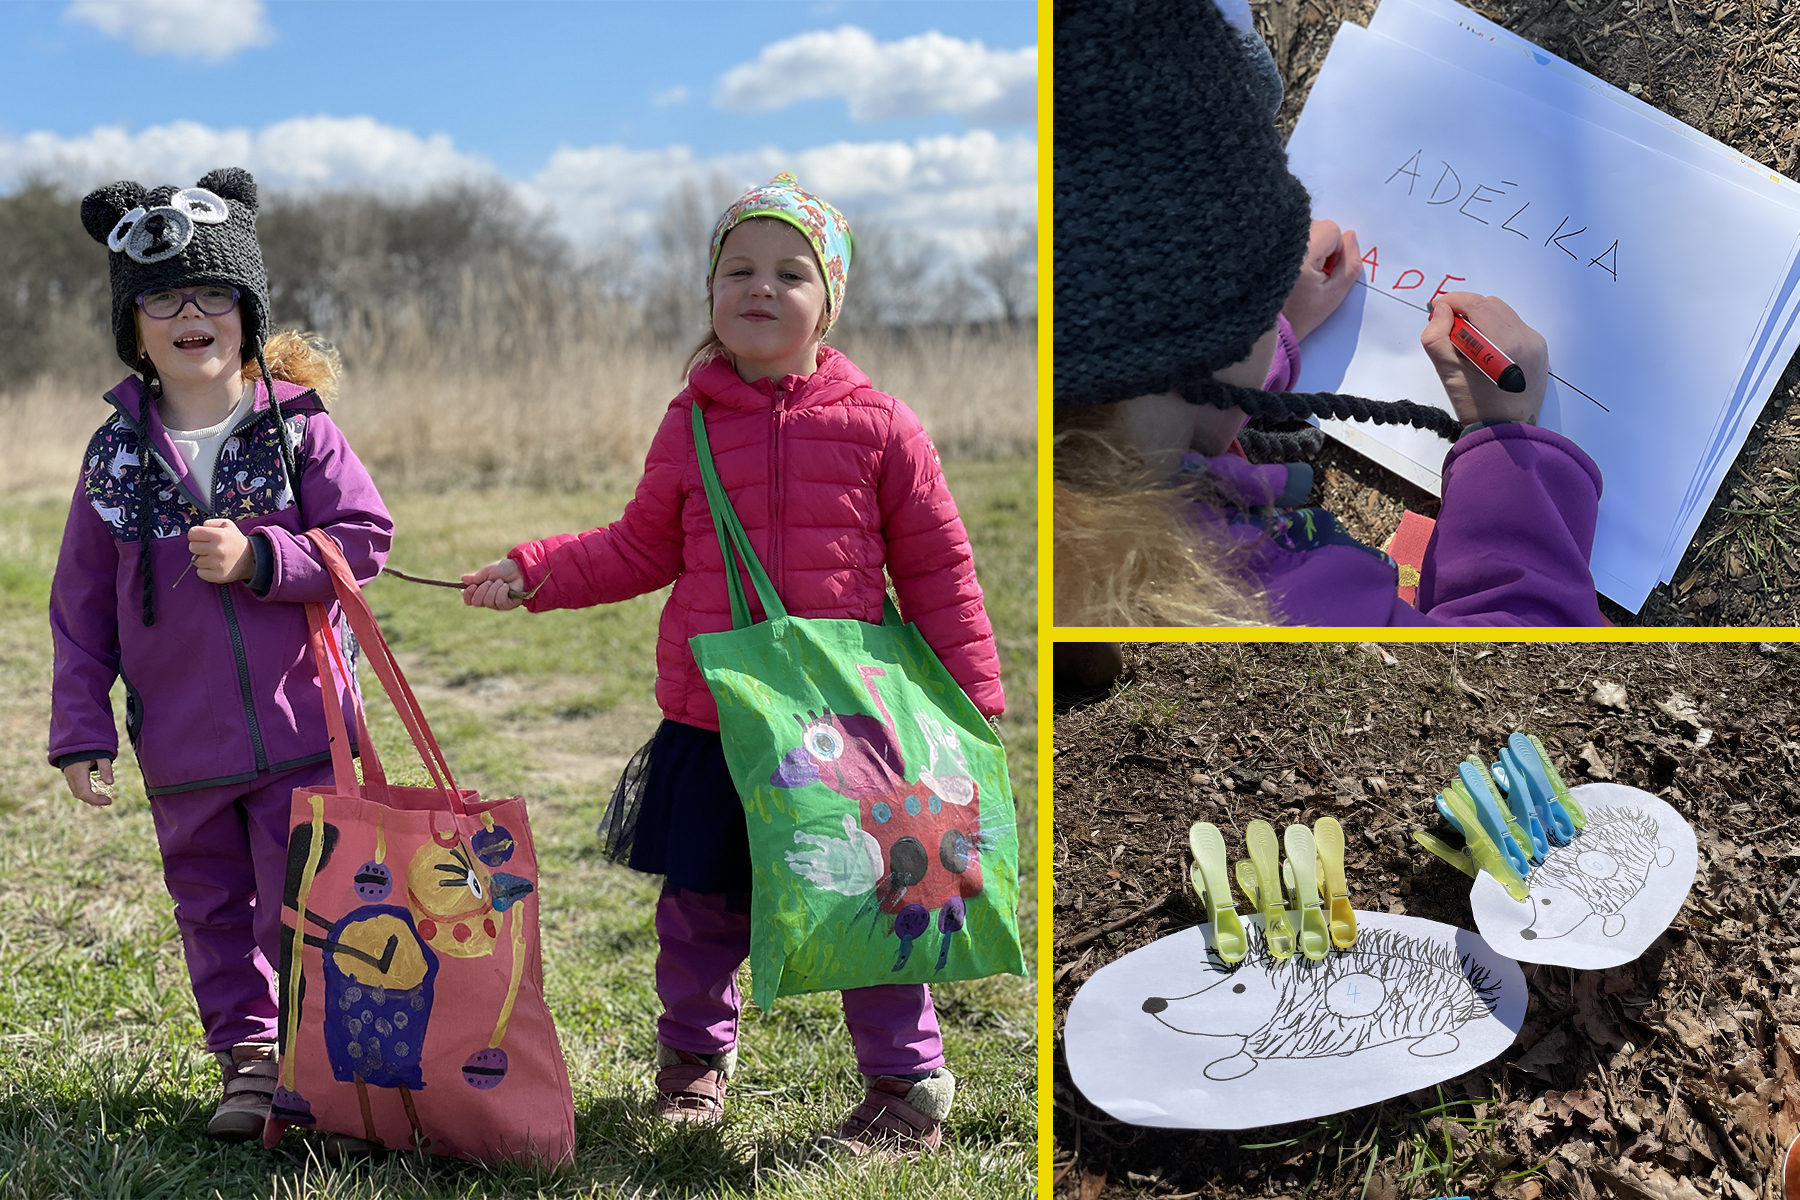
[
  {"x": 250, "y": 1072},
  {"x": 897, "y": 1117},
  {"x": 690, "y": 1088}
]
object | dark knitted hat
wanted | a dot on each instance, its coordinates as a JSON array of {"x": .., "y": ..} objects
[
  {"x": 167, "y": 237},
  {"x": 1179, "y": 230}
]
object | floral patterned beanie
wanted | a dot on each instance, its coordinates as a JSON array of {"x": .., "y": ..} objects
[{"x": 823, "y": 227}]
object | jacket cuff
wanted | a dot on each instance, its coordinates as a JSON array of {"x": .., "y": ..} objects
[
  {"x": 264, "y": 577},
  {"x": 63, "y": 762}
]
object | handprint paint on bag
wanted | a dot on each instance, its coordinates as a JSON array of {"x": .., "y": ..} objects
[{"x": 911, "y": 847}]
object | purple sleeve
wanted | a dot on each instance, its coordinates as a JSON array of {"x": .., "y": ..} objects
[
  {"x": 1284, "y": 368},
  {"x": 1514, "y": 532},
  {"x": 84, "y": 629},
  {"x": 336, "y": 495}
]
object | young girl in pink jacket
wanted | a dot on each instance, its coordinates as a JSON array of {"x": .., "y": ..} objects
[{"x": 836, "y": 483}]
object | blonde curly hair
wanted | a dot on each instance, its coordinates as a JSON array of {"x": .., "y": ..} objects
[
  {"x": 303, "y": 358},
  {"x": 1127, "y": 551}
]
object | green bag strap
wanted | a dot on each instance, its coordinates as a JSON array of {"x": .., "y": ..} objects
[{"x": 732, "y": 536}]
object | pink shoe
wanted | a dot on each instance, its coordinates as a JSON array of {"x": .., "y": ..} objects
[
  {"x": 897, "y": 1117},
  {"x": 691, "y": 1087},
  {"x": 250, "y": 1071}
]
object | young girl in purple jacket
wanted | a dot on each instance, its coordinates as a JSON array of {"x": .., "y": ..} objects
[
  {"x": 184, "y": 571},
  {"x": 1180, "y": 239}
]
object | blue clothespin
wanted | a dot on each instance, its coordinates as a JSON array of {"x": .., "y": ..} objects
[
  {"x": 1548, "y": 816},
  {"x": 1487, "y": 809},
  {"x": 1522, "y": 798},
  {"x": 1564, "y": 815}
]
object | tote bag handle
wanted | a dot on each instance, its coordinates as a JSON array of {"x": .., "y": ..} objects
[
  {"x": 387, "y": 670},
  {"x": 732, "y": 537},
  {"x": 328, "y": 656}
]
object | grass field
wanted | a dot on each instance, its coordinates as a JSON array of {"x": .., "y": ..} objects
[{"x": 104, "y": 1088}]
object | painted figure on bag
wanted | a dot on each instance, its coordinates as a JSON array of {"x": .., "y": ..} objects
[
  {"x": 914, "y": 847},
  {"x": 381, "y": 963}
]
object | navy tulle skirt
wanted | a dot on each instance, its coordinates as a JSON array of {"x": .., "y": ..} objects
[{"x": 676, "y": 813}]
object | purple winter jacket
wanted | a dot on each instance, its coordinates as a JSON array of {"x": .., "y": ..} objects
[
  {"x": 222, "y": 686},
  {"x": 1511, "y": 546}
]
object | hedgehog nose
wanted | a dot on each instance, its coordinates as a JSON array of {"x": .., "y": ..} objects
[{"x": 1155, "y": 1004}]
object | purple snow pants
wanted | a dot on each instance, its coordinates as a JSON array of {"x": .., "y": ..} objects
[
  {"x": 224, "y": 852},
  {"x": 893, "y": 1027}
]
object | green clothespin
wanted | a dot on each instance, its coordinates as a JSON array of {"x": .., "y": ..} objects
[
  {"x": 1301, "y": 869},
  {"x": 1561, "y": 790},
  {"x": 1211, "y": 880},
  {"x": 1458, "y": 808},
  {"x": 1328, "y": 837},
  {"x": 1260, "y": 878}
]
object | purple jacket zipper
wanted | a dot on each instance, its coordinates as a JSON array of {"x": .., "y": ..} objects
[{"x": 246, "y": 694}]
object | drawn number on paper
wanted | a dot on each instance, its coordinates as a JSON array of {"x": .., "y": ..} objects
[
  {"x": 1356, "y": 995},
  {"x": 1598, "y": 865}
]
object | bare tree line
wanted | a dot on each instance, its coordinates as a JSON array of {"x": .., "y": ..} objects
[{"x": 466, "y": 274}]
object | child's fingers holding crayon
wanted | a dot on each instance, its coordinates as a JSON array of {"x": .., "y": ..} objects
[
  {"x": 79, "y": 777},
  {"x": 492, "y": 586},
  {"x": 1473, "y": 394}
]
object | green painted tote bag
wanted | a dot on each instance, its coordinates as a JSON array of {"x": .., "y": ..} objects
[{"x": 882, "y": 834}]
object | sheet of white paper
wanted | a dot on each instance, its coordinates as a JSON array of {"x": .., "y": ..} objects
[
  {"x": 1602, "y": 899},
  {"x": 1458, "y": 35},
  {"x": 1649, "y": 332},
  {"x": 1170, "y": 1036},
  {"x": 1447, "y": 30}
]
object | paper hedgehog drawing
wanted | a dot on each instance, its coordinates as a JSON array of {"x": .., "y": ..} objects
[
  {"x": 1599, "y": 874},
  {"x": 1389, "y": 988}
]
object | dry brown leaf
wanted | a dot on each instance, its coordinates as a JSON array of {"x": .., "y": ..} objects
[
  {"x": 1681, "y": 709},
  {"x": 1545, "y": 1054},
  {"x": 1609, "y": 695},
  {"x": 1092, "y": 1184},
  {"x": 1689, "y": 1030},
  {"x": 1597, "y": 766},
  {"x": 1590, "y": 1015},
  {"x": 1664, "y": 1186}
]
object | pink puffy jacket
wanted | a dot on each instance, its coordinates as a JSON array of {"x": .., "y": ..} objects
[{"x": 832, "y": 480}]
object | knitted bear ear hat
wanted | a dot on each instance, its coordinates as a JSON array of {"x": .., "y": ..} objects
[
  {"x": 168, "y": 237},
  {"x": 1179, "y": 229}
]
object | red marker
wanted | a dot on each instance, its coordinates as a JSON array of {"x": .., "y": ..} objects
[{"x": 1503, "y": 371}]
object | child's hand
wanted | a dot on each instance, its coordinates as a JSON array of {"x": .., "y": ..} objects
[
  {"x": 221, "y": 551},
  {"x": 491, "y": 587},
  {"x": 82, "y": 785},
  {"x": 1473, "y": 395},
  {"x": 1319, "y": 291}
]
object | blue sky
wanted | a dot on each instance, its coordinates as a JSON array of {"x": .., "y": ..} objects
[{"x": 594, "y": 109}]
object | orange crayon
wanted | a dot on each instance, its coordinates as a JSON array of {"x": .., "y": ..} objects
[{"x": 1488, "y": 359}]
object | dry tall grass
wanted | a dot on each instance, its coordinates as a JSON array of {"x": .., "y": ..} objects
[{"x": 559, "y": 417}]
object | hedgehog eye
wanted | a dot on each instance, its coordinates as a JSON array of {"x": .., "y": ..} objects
[
  {"x": 822, "y": 741},
  {"x": 1237, "y": 987},
  {"x": 474, "y": 886}
]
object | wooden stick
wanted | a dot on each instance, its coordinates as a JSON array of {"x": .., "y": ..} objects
[
  {"x": 1082, "y": 939},
  {"x": 512, "y": 593}
]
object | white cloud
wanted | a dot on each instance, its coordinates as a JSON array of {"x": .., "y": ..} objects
[
  {"x": 928, "y": 73},
  {"x": 213, "y": 30},
  {"x": 945, "y": 188},
  {"x": 299, "y": 153},
  {"x": 675, "y": 95}
]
